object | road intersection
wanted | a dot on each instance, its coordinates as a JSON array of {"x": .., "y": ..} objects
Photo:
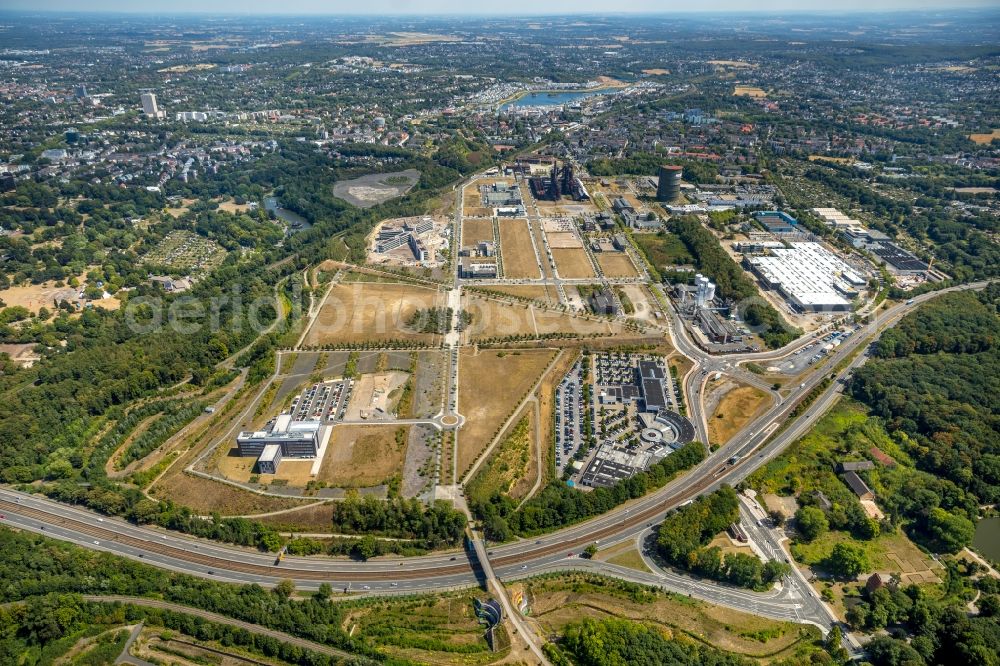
[{"x": 729, "y": 464}]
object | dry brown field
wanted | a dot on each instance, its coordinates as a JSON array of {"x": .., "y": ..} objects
[
  {"x": 749, "y": 91},
  {"x": 519, "y": 259},
  {"x": 736, "y": 408},
  {"x": 363, "y": 312},
  {"x": 573, "y": 263},
  {"x": 361, "y": 456},
  {"x": 491, "y": 384},
  {"x": 616, "y": 264},
  {"x": 475, "y": 231},
  {"x": 985, "y": 139},
  {"x": 539, "y": 292}
]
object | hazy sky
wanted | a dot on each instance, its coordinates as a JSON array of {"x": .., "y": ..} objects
[{"x": 478, "y": 7}]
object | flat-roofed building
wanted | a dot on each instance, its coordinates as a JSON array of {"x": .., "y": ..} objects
[
  {"x": 269, "y": 459},
  {"x": 810, "y": 277},
  {"x": 297, "y": 439},
  {"x": 478, "y": 270}
]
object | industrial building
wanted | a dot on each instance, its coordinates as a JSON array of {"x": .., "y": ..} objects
[
  {"x": 834, "y": 218},
  {"x": 559, "y": 182},
  {"x": 899, "y": 260},
  {"x": 669, "y": 186},
  {"x": 777, "y": 222},
  {"x": 810, "y": 277}
]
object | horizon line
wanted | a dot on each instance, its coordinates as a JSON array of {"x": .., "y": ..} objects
[{"x": 590, "y": 13}]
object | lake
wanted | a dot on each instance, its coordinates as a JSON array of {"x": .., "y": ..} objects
[
  {"x": 294, "y": 221},
  {"x": 987, "y": 539},
  {"x": 552, "y": 98}
]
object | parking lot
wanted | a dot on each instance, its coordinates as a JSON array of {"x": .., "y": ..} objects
[
  {"x": 325, "y": 401},
  {"x": 569, "y": 416}
]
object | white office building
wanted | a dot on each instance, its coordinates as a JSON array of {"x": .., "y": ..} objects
[{"x": 149, "y": 106}]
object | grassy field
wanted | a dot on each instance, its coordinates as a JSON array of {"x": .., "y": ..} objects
[
  {"x": 808, "y": 465},
  {"x": 563, "y": 599},
  {"x": 440, "y": 629},
  {"x": 491, "y": 384},
  {"x": 519, "y": 259},
  {"x": 310, "y": 518},
  {"x": 360, "y": 456},
  {"x": 663, "y": 249},
  {"x": 474, "y": 231},
  {"x": 507, "y": 470},
  {"x": 573, "y": 263},
  {"x": 205, "y": 496},
  {"x": 735, "y": 409},
  {"x": 624, "y": 555},
  {"x": 616, "y": 264},
  {"x": 546, "y": 408},
  {"x": 371, "y": 312}
]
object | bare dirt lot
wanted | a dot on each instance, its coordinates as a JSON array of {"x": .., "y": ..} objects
[
  {"x": 370, "y": 190},
  {"x": 496, "y": 319},
  {"x": 375, "y": 395},
  {"x": 563, "y": 240},
  {"x": 476, "y": 231},
  {"x": 364, "y": 312},
  {"x": 361, "y": 456},
  {"x": 573, "y": 263},
  {"x": 737, "y": 406},
  {"x": 616, "y": 264},
  {"x": 491, "y": 384},
  {"x": 519, "y": 259}
]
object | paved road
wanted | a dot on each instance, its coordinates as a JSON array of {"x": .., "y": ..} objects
[{"x": 443, "y": 571}]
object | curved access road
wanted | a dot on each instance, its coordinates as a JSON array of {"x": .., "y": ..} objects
[{"x": 731, "y": 463}]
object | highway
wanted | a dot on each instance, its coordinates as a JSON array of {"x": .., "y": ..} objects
[{"x": 560, "y": 550}]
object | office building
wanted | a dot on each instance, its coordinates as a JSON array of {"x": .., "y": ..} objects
[
  {"x": 297, "y": 439},
  {"x": 149, "y": 106},
  {"x": 669, "y": 186},
  {"x": 269, "y": 459}
]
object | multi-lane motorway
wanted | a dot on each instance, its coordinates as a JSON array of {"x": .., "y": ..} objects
[{"x": 730, "y": 463}]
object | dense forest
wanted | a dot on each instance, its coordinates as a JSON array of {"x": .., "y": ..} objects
[
  {"x": 935, "y": 381},
  {"x": 34, "y": 566},
  {"x": 614, "y": 642},
  {"x": 732, "y": 281}
]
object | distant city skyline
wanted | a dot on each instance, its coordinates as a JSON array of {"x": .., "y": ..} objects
[{"x": 532, "y": 7}]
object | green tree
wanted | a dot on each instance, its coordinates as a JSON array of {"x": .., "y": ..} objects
[
  {"x": 811, "y": 522},
  {"x": 952, "y": 532},
  {"x": 285, "y": 588},
  {"x": 847, "y": 560}
]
